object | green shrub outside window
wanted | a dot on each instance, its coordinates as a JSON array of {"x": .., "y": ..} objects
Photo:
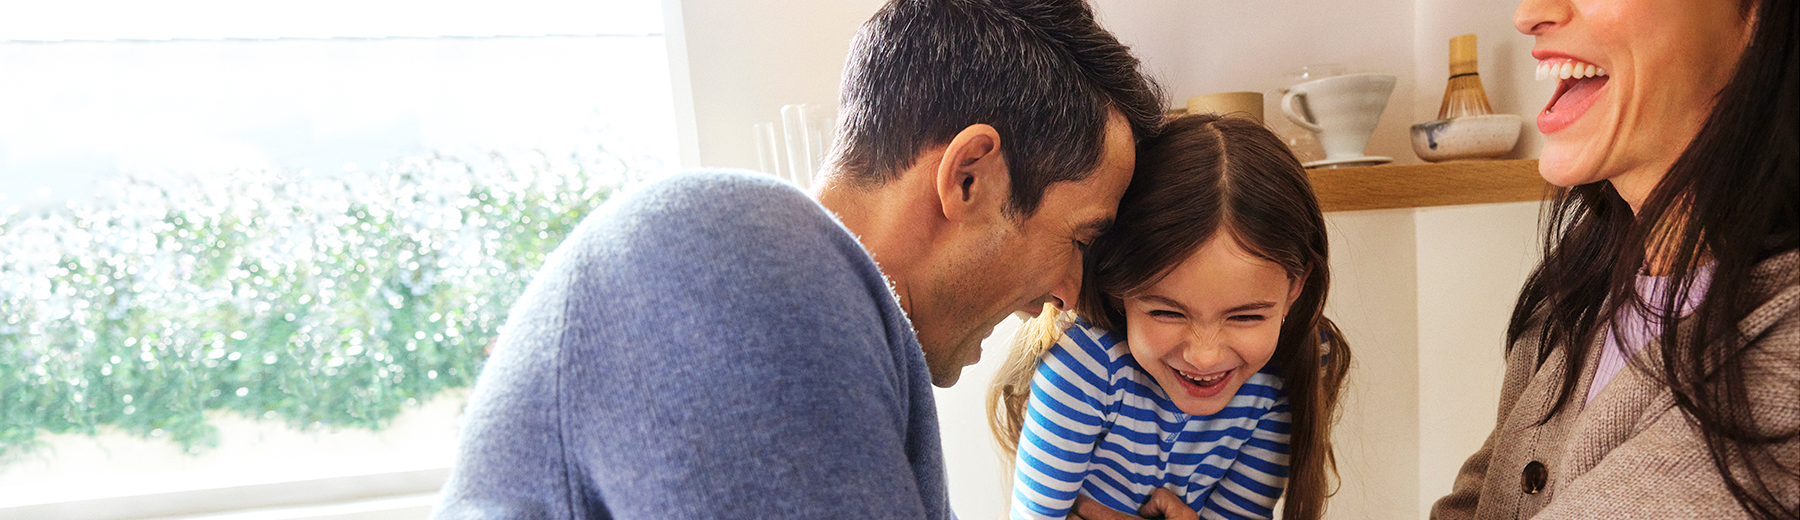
[{"x": 324, "y": 301}]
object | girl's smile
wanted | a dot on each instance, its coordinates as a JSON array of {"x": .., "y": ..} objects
[{"x": 1203, "y": 387}]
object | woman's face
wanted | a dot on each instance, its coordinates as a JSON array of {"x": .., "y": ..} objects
[
  {"x": 1210, "y": 324},
  {"x": 1655, "y": 67}
]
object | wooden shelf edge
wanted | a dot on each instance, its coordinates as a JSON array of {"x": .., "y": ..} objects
[{"x": 1426, "y": 185}]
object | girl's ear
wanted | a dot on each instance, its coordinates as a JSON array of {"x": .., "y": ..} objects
[{"x": 1296, "y": 285}]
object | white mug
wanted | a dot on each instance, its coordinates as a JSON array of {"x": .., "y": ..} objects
[{"x": 1341, "y": 110}]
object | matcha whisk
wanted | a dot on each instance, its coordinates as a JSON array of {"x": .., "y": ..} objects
[{"x": 1464, "y": 96}]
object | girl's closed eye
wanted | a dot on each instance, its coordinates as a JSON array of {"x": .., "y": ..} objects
[
  {"x": 1167, "y": 315},
  {"x": 1248, "y": 318}
]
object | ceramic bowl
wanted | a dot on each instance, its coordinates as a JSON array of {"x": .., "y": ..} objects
[{"x": 1466, "y": 137}]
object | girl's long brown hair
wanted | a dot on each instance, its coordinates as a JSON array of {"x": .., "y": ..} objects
[{"x": 1206, "y": 175}]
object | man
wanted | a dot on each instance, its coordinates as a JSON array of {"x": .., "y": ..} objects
[{"x": 717, "y": 345}]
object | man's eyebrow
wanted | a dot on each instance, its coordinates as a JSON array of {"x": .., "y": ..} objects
[{"x": 1097, "y": 225}]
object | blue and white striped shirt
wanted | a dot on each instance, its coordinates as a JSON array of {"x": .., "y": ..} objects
[{"x": 1098, "y": 424}]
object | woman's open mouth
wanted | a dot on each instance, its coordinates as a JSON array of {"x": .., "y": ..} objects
[
  {"x": 1578, "y": 85},
  {"x": 1204, "y": 385}
]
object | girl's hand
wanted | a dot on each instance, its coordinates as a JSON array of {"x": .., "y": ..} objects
[{"x": 1162, "y": 504}]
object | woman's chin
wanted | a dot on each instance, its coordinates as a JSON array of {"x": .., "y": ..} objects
[{"x": 1568, "y": 164}]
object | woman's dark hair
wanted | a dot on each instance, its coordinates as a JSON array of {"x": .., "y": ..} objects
[
  {"x": 1732, "y": 199},
  {"x": 1231, "y": 178},
  {"x": 1041, "y": 72}
]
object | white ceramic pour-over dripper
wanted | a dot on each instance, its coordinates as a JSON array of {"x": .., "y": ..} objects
[{"x": 1341, "y": 110}]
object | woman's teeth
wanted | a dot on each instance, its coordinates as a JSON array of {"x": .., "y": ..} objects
[{"x": 1563, "y": 69}]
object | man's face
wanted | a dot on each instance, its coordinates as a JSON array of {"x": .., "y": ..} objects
[{"x": 1019, "y": 265}]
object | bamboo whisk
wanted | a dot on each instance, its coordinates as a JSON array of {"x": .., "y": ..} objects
[{"x": 1464, "y": 96}]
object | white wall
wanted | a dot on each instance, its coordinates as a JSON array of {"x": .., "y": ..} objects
[
  {"x": 1374, "y": 301},
  {"x": 1423, "y": 295},
  {"x": 1467, "y": 282},
  {"x": 1210, "y": 46},
  {"x": 736, "y": 62}
]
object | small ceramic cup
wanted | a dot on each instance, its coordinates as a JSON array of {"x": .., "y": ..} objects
[
  {"x": 1341, "y": 110},
  {"x": 1466, "y": 137}
]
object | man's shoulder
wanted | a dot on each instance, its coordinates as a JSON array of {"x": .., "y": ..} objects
[
  {"x": 720, "y": 186},
  {"x": 711, "y": 217},
  {"x": 720, "y": 199},
  {"x": 722, "y": 240}
]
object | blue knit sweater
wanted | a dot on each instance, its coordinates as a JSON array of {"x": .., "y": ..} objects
[{"x": 713, "y": 345}]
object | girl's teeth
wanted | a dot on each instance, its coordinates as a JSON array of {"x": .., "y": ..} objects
[{"x": 1201, "y": 380}]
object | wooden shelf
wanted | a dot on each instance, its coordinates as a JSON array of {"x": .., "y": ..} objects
[{"x": 1424, "y": 185}]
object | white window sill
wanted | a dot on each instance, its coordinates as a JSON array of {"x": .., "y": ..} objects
[{"x": 406, "y": 494}]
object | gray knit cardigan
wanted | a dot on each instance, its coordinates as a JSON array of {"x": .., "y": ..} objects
[{"x": 1630, "y": 453}]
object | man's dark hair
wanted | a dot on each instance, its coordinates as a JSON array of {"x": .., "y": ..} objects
[{"x": 1041, "y": 72}]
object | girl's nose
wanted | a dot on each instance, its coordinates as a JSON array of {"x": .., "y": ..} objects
[{"x": 1204, "y": 349}]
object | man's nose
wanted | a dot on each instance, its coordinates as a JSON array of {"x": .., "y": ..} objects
[{"x": 1067, "y": 288}]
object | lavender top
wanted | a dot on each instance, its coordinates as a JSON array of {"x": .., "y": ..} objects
[{"x": 1639, "y": 329}]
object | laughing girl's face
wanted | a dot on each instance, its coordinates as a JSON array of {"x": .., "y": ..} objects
[
  {"x": 1635, "y": 79},
  {"x": 1211, "y": 323}
]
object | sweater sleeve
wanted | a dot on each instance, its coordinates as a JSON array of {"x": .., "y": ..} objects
[
  {"x": 713, "y": 347},
  {"x": 1068, "y": 410},
  {"x": 1254, "y": 482}
]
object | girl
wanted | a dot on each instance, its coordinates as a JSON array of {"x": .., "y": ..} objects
[{"x": 1201, "y": 363}]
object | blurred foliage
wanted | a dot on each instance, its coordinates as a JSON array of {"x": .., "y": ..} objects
[{"x": 325, "y": 301}]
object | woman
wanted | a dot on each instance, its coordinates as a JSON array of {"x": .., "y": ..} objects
[
  {"x": 1196, "y": 378},
  {"x": 1653, "y": 365}
]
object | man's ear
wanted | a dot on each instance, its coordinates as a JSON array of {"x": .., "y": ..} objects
[{"x": 972, "y": 177}]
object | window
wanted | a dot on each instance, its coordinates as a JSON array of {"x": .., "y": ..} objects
[{"x": 260, "y": 246}]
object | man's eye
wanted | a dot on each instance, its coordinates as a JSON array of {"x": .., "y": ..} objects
[{"x": 1082, "y": 246}]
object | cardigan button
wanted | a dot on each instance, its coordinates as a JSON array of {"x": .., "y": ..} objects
[{"x": 1532, "y": 480}]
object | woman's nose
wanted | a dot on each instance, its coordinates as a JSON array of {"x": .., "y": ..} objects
[{"x": 1535, "y": 17}]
